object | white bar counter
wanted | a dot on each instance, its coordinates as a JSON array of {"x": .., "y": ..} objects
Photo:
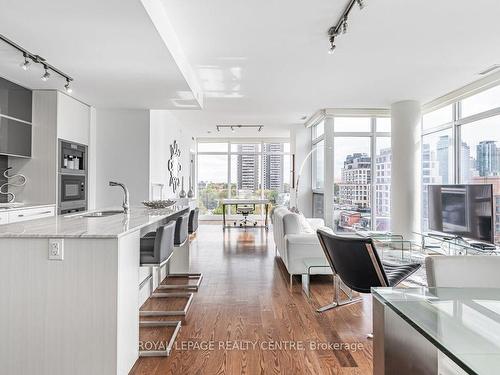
[{"x": 79, "y": 315}]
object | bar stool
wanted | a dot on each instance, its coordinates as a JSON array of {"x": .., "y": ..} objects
[
  {"x": 189, "y": 296},
  {"x": 156, "y": 249},
  {"x": 193, "y": 220},
  {"x": 179, "y": 264}
]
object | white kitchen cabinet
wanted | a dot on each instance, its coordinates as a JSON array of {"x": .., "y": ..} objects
[
  {"x": 73, "y": 119},
  {"x": 30, "y": 214}
]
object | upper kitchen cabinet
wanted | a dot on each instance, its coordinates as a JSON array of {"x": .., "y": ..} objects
[
  {"x": 15, "y": 119},
  {"x": 15, "y": 101},
  {"x": 73, "y": 119},
  {"x": 15, "y": 137}
]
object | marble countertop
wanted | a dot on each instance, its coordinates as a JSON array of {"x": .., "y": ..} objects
[
  {"x": 5, "y": 207},
  {"x": 78, "y": 226}
]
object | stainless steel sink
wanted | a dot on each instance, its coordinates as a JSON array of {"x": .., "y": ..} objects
[{"x": 103, "y": 213}]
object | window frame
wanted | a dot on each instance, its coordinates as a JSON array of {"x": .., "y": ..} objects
[
  {"x": 373, "y": 134},
  {"x": 456, "y": 126},
  {"x": 229, "y": 153}
]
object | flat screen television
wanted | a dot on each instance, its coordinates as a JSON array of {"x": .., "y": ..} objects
[{"x": 462, "y": 210}]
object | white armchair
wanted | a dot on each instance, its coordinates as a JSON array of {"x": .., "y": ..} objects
[{"x": 300, "y": 250}]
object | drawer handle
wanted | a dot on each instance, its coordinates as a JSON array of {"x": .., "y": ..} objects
[{"x": 35, "y": 214}]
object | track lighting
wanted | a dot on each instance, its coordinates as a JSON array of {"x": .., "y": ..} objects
[
  {"x": 46, "y": 75},
  {"x": 332, "y": 45},
  {"x": 67, "y": 86},
  {"x": 341, "y": 26},
  {"x": 234, "y": 127},
  {"x": 30, "y": 58},
  {"x": 26, "y": 64}
]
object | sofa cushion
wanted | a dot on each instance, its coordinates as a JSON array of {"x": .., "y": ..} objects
[{"x": 305, "y": 225}]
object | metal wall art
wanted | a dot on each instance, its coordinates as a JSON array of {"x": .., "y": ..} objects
[{"x": 174, "y": 166}]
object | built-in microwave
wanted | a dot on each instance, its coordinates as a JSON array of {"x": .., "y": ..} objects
[{"x": 72, "y": 192}]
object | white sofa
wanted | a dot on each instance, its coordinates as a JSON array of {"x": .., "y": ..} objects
[{"x": 299, "y": 250}]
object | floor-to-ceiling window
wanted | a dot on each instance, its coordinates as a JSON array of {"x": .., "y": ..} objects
[
  {"x": 461, "y": 144},
  {"x": 361, "y": 173},
  {"x": 242, "y": 168}
]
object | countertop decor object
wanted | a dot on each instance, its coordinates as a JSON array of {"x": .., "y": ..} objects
[
  {"x": 158, "y": 204},
  {"x": 174, "y": 165},
  {"x": 190, "y": 191},
  {"x": 182, "y": 193},
  {"x": 4, "y": 189}
]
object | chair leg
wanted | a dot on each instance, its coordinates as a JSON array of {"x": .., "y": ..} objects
[
  {"x": 291, "y": 281},
  {"x": 305, "y": 283},
  {"x": 337, "y": 302}
]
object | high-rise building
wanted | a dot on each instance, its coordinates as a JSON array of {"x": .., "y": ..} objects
[
  {"x": 355, "y": 186},
  {"x": 488, "y": 158},
  {"x": 248, "y": 167},
  {"x": 465, "y": 162},
  {"x": 383, "y": 162},
  {"x": 273, "y": 166},
  {"x": 442, "y": 153}
]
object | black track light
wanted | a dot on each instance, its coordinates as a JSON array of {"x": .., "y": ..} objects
[
  {"x": 46, "y": 75},
  {"x": 332, "y": 45},
  {"x": 26, "y": 64},
  {"x": 361, "y": 4}
]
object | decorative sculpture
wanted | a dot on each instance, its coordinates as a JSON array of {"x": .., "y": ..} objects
[
  {"x": 4, "y": 189},
  {"x": 174, "y": 166}
]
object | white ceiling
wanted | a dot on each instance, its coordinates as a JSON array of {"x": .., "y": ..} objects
[
  {"x": 258, "y": 62},
  {"x": 266, "y": 61},
  {"x": 111, "y": 48}
]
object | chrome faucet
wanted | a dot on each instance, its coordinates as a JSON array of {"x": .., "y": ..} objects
[{"x": 126, "y": 195}]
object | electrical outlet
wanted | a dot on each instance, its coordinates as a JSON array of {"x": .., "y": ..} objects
[{"x": 56, "y": 249}]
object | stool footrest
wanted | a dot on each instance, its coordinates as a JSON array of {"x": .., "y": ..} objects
[
  {"x": 195, "y": 287},
  {"x": 169, "y": 346},
  {"x": 182, "y": 312}
]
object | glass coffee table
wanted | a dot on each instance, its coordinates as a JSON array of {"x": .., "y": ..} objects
[{"x": 436, "y": 330}]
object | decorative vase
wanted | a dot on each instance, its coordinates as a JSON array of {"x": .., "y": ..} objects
[
  {"x": 190, "y": 191},
  {"x": 182, "y": 193}
]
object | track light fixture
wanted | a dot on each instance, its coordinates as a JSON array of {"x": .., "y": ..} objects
[
  {"x": 30, "y": 58},
  {"x": 233, "y": 127},
  {"x": 46, "y": 75},
  {"x": 26, "y": 64},
  {"x": 67, "y": 86},
  {"x": 332, "y": 45},
  {"x": 341, "y": 26},
  {"x": 344, "y": 26}
]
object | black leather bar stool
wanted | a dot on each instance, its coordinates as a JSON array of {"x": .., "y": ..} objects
[
  {"x": 170, "y": 238},
  {"x": 179, "y": 267},
  {"x": 193, "y": 220},
  {"x": 156, "y": 249}
]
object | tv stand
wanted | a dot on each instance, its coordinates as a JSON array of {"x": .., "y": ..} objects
[{"x": 455, "y": 245}]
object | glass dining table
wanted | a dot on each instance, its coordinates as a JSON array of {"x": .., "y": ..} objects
[{"x": 436, "y": 330}]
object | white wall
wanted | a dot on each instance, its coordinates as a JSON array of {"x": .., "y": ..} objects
[
  {"x": 164, "y": 129},
  {"x": 122, "y": 154},
  {"x": 300, "y": 145}
]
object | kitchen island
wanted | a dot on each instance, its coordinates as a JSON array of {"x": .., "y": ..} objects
[{"x": 78, "y": 315}]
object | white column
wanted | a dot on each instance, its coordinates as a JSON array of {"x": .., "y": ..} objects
[
  {"x": 329, "y": 176},
  {"x": 300, "y": 145},
  {"x": 406, "y": 167}
]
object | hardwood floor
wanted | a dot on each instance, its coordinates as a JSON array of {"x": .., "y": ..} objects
[{"x": 245, "y": 319}]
